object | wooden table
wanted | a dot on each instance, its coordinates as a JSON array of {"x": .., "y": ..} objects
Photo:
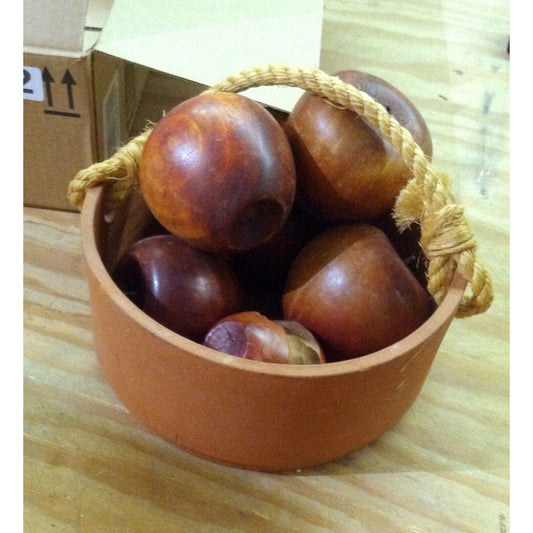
[{"x": 91, "y": 467}]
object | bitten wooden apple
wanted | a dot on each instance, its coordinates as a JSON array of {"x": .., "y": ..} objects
[
  {"x": 350, "y": 288},
  {"x": 346, "y": 170},
  {"x": 218, "y": 172},
  {"x": 185, "y": 289},
  {"x": 251, "y": 335}
]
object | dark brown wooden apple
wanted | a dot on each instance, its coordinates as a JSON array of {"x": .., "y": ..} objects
[
  {"x": 346, "y": 170},
  {"x": 218, "y": 172},
  {"x": 185, "y": 289},
  {"x": 350, "y": 288}
]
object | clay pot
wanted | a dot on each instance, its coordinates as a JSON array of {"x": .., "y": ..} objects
[{"x": 249, "y": 414}]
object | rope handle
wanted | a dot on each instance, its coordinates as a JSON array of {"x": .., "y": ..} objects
[{"x": 446, "y": 239}]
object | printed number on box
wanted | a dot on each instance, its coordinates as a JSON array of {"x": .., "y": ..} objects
[{"x": 33, "y": 84}]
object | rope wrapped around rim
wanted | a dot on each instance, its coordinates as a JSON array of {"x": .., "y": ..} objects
[{"x": 446, "y": 239}]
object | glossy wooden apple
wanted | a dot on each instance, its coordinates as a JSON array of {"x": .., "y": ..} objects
[
  {"x": 218, "y": 172},
  {"x": 350, "y": 288},
  {"x": 251, "y": 335},
  {"x": 185, "y": 289},
  {"x": 346, "y": 169}
]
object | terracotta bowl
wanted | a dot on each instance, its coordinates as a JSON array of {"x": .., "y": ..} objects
[{"x": 253, "y": 415}]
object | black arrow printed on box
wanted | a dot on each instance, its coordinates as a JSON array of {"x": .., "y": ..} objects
[
  {"x": 47, "y": 79},
  {"x": 68, "y": 81}
]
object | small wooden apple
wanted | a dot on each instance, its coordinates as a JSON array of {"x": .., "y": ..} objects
[
  {"x": 346, "y": 170},
  {"x": 350, "y": 288},
  {"x": 218, "y": 172},
  {"x": 251, "y": 335},
  {"x": 185, "y": 289}
]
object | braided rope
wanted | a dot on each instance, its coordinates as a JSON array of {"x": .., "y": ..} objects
[
  {"x": 122, "y": 168},
  {"x": 446, "y": 238}
]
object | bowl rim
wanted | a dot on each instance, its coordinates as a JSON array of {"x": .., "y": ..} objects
[{"x": 92, "y": 207}]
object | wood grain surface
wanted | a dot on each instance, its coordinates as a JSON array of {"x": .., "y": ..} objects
[{"x": 91, "y": 467}]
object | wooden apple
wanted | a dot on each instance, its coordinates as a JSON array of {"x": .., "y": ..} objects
[
  {"x": 346, "y": 170},
  {"x": 350, "y": 288},
  {"x": 218, "y": 172},
  {"x": 185, "y": 289},
  {"x": 251, "y": 335}
]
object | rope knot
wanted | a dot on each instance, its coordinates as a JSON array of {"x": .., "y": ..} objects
[{"x": 446, "y": 232}]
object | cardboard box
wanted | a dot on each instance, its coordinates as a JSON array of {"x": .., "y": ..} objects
[
  {"x": 86, "y": 61},
  {"x": 78, "y": 103}
]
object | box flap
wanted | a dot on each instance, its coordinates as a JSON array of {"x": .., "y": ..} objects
[
  {"x": 63, "y": 27},
  {"x": 55, "y": 25},
  {"x": 208, "y": 40},
  {"x": 97, "y": 13}
]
